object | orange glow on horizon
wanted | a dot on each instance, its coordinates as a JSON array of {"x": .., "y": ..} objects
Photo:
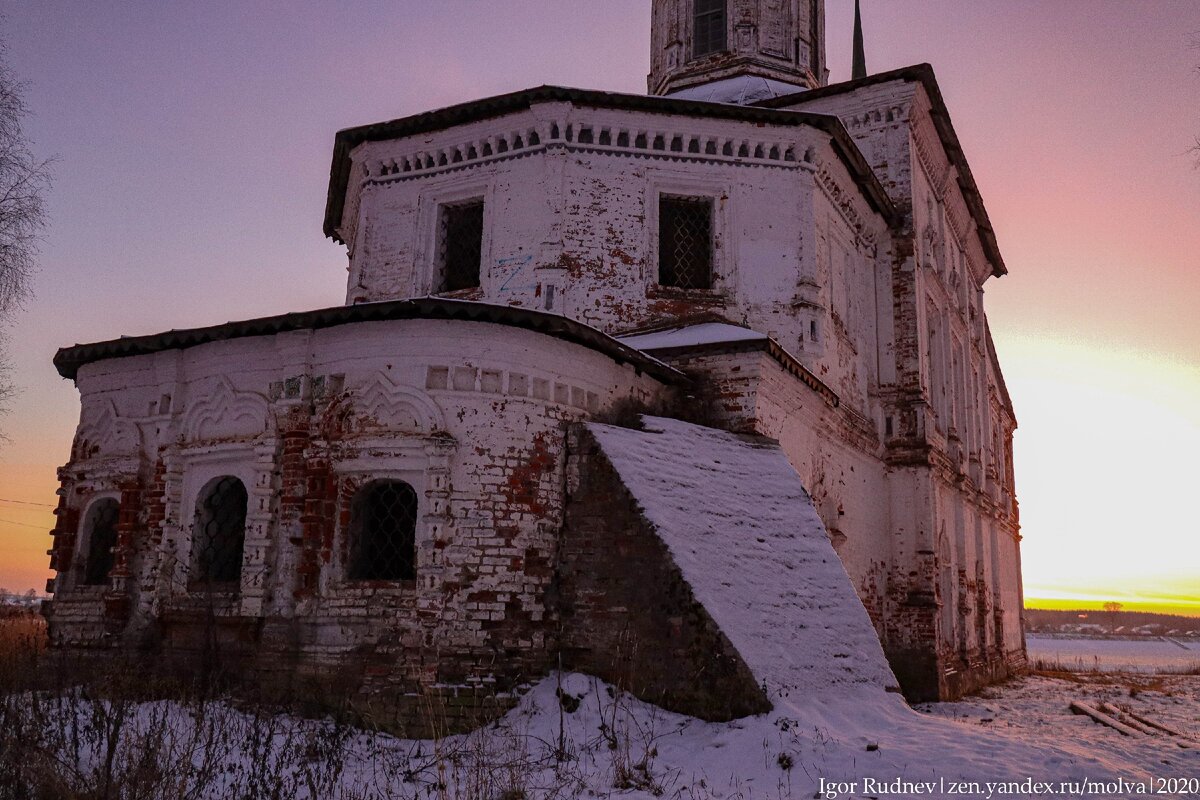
[
  {"x": 1105, "y": 453},
  {"x": 26, "y": 517},
  {"x": 1084, "y": 604}
]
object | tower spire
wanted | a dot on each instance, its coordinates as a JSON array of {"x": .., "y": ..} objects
[{"x": 859, "y": 69}]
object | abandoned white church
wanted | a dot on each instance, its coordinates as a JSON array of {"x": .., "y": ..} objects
[{"x": 443, "y": 487}]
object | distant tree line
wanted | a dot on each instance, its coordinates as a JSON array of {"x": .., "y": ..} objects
[
  {"x": 1040, "y": 617},
  {"x": 28, "y": 596}
]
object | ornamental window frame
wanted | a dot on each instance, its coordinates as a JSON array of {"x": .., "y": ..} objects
[
  {"x": 718, "y": 192},
  {"x": 416, "y": 460},
  {"x": 187, "y": 474},
  {"x": 447, "y": 192}
]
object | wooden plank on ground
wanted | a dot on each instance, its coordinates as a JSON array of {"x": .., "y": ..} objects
[
  {"x": 1121, "y": 715},
  {"x": 1158, "y": 725},
  {"x": 1104, "y": 719}
]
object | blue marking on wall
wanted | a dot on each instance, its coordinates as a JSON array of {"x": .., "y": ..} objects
[{"x": 519, "y": 265}]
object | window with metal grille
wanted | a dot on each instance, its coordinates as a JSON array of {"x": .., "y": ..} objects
[
  {"x": 220, "y": 531},
  {"x": 685, "y": 242},
  {"x": 383, "y": 521},
  {"x": 460, "y": 243},
  {"x": 101, "y": 532},
  {"x": 708, "y": 30}
]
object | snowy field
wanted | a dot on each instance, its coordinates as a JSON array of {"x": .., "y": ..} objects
[{"x": 1150, "y": 654}]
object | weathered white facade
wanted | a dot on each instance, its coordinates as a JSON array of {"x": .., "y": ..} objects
[
  {"x": 818, "y": 257},
  {"x": 469, "y": 412}
]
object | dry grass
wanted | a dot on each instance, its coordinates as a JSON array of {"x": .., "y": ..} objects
[
  {"x": 1060, "y": 668},
  {"x": 22, "y": 647},
  {"x": 1134, "y": 683},
  {"x": 115, "y": 729},
  {"x": 23, "y": 631},
  {"x": 102, "y": 731}
]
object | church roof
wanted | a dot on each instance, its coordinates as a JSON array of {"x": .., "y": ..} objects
[
  {"x": 68, "y": 360},
  {"x": 692, "y": 336},
  {"x": 739, "y": 89},
  {"x": 999, "y": 373},
  {"x": 721, "y": 336},
  {"x": 490, "y": 107},
  {"x": 923, "y": 74}
]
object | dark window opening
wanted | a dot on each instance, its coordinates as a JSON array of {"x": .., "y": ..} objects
[
  {"x": 102, "y": 538},
  {"x": 220, "y": 531},
  {"x": 685, "y": 242},
  {"x": 460, "y": 242},
  {"x": 383, "y": 522},
  {"x": 708, "y": 32}
]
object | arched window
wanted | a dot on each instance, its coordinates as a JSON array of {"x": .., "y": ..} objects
[
  {"x": 383, "y": 519},
  {"x": 100, "y": 531},
  {"x": 219, "y": 531}
]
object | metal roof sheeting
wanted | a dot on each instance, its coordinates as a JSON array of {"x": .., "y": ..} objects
[{"x": 68, "y": 360}]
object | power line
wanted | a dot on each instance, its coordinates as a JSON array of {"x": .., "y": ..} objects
[
  {"x": 26, "y": 503},
  {"x": 23, "y": 524}
]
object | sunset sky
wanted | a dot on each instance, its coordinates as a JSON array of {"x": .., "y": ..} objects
[{"x": 194, "y": 139}]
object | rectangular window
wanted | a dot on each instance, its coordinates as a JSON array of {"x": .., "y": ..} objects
[
  {"x": 685, "y": 245},
  {"x": 708, "y": 31},
  {"x": 460, "y": 243}
]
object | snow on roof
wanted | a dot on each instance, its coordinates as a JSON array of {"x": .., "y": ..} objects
[
  {"x": 748, "y": 540},
  {"x": 740, "y": 90},
  {"x": 692, "y": 335}
]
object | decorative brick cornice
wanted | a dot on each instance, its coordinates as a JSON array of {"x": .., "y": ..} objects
[
  {"x": 657, "y": 109},
  {"x": 845, "y": 203},
  {"x": 666, "y": 142}
]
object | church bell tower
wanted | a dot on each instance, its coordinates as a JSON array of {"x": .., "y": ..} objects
[{"x": 696, "y": 42}]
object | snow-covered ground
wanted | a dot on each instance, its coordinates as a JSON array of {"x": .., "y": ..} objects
[
  {"x": 1145, "y": 654},
  {"x": 601, "y": 743}
]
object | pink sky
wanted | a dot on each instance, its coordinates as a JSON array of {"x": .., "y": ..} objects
[{"x": 194, "y": 143}]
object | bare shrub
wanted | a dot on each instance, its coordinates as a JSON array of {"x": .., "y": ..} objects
[
  {"x": 118, "y": 729},
  {"x": 96, "y": 732}
]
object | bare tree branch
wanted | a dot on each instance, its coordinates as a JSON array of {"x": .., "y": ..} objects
[{"x": 24, "y": 181}]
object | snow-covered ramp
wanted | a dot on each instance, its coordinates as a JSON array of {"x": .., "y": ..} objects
[{"x": 745, "y": 535}]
